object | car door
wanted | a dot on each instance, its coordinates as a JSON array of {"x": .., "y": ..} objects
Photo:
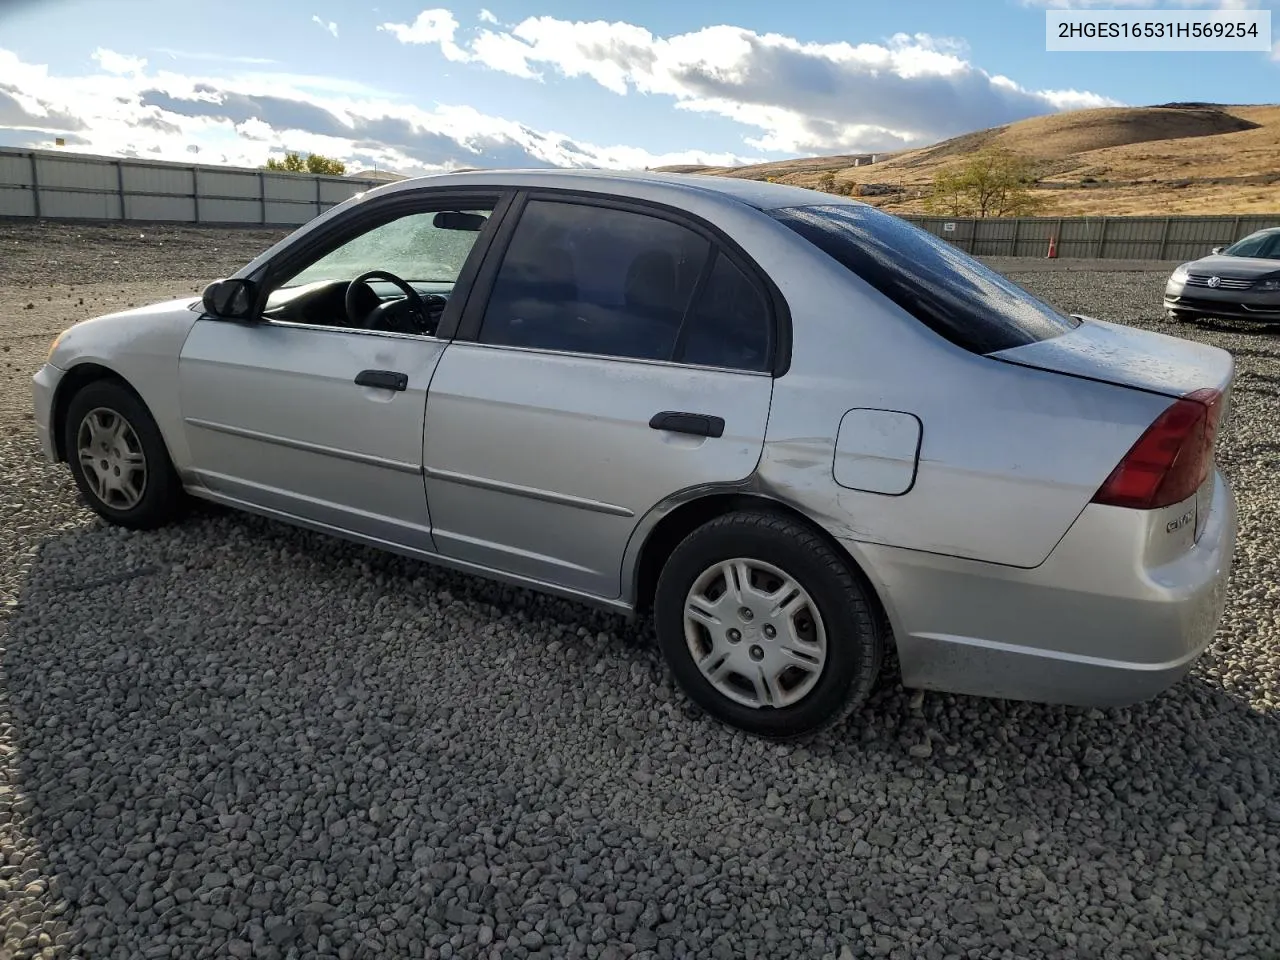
[
  {"x": 613, "y": 355},
  {"x": 308, "y": 415}
]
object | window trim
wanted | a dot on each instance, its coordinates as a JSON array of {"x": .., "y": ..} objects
[
  {"x": 779, "y": 314},
  {"x": 376, "y": 212}
]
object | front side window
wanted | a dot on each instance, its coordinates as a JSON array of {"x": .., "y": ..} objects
[
  {"x": 941, "y": 286},
  {"x": 428, "y": 247},
  {"x": 417, "y": 258}
]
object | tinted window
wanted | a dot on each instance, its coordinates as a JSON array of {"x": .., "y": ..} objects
[
  {"x": 729, "y": 323},
  {"x": 588, "y": 279},
  {"x": 940, "y": 285}
]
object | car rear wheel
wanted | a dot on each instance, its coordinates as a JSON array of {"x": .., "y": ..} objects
[
  {"x": 766, "y": 627},
  {"x": 118, "y": 457}
]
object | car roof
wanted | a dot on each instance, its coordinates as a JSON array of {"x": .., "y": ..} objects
[{"x": 755, "y": 193}]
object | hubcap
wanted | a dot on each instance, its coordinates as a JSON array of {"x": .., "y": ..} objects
[
  {"x": 755, "y": 633},
  {"x": 112, "y": 458}
]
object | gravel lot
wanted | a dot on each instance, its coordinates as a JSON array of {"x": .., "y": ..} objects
[{"x": 232, "y": 738}]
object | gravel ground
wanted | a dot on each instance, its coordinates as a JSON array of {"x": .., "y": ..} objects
[{"x": 231, "y": 738}]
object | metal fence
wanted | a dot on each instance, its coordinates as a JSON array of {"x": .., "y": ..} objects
[
  {"x": 1120, "y": 238},
  {"x": 55, "y": 185}
]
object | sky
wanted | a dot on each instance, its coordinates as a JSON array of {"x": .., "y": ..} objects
[{"x": 405, "y": 86}]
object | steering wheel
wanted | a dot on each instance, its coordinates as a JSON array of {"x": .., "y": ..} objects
[{"x": 385, "y": 316}]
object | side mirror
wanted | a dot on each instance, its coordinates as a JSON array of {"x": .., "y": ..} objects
[
  {"x": 1217, "y": 250},
  {"x": 230, "y": 299},
  {"x": 457, "y": 220}
]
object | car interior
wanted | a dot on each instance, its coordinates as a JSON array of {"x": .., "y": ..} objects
[
  {"x": 376, "y": 299},
  {"x": 563, "y": 286}
]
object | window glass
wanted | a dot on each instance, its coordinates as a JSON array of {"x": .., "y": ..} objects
[
  {"x": 1271, "y": 251},
  {"x": 729, "y": 323},
  {"x": 938, "y": 284},
  {"x": 589, "y": 279},
  {"x": 1250, "y": 246},
  {"x": 419, "y": 248}
]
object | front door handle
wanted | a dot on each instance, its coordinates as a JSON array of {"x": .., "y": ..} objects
[
  {"x": 698, "y": 424},
  {"x": 382, "y": 379}
]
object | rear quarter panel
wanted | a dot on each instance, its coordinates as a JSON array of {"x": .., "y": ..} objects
[{"x": 1009, "y": 456}]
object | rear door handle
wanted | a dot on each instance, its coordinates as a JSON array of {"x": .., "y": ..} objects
[
  {"x": 698, "y": 424},
  {"x": 382, "y": 379}
]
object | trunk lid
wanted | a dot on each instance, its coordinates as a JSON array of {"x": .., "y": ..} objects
[{"x": 1114, "y": 353}]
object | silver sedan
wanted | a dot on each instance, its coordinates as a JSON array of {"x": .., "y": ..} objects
[{"x": 796, "y": 429}]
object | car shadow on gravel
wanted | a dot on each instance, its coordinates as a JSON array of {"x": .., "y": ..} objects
[{"x": 236, "y": 738}]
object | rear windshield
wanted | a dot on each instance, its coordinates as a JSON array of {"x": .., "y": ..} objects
[{"x": 938, "y": 284}]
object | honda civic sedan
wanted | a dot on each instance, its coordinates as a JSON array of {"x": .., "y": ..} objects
[
  {"x": 1241, "y": 282},
  {"x": 795, "y": 429}
]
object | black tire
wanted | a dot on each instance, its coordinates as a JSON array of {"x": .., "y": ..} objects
[
  {"x": 161, "y": 495},
  {"x": 854, "y": 640}
]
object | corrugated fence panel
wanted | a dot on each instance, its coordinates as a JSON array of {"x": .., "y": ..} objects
[
  {"x": 335, "y": 191},
  {"x": 291, "y": 187},
  {"x": 15, "y": 170},
  {"x": 289, "y": 213},
  {"x": 17, "y": 202},
  {"x": 1189, "y": 239},
  {"x": 217, "y": 183},
  {"x": 230, "y": 211},
  {"x": 46, "y": 183},
  {"x": 145, "y": 207},
  {"x": 77, "y": 175},
  {"x": 149, "y": 179},
  {"x": 79, "y": 205}
]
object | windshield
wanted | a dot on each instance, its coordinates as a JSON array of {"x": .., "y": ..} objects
[
  {"x": 1264, "y": 243},
  {"x": 937, "y": 283}
]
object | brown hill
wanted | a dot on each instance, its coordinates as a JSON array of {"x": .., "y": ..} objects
[{"x": 1176, "y": 158}]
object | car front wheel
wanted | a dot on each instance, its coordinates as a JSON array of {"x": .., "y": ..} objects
[
  {"x": 766, "y": 627},
  {"x": 118, "y": 457}
]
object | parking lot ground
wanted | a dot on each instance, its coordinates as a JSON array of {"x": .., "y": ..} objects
[{"x": 233, "y": 738}]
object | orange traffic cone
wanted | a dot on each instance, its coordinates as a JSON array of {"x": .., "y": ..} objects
[{"x": 1053, "y": 248}]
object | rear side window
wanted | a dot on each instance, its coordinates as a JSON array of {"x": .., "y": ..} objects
[
  {"x": 581, "y": 278},
  {"x": 729, "y": 323},
  {"x": 941, "y": 286},
  {"x": 586, "y": 279}
]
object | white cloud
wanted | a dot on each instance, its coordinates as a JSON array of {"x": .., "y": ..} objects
[
  {"x": 803, "y": 97},
  {"x": 330, "y": 26},
  {"x": 430, "y": 26},
  {"x": 487, "y": 17},
  {"x": 207, "y": 55},
  {"x": 118, "y": 63},
  {"x": 242, "y": 120}
]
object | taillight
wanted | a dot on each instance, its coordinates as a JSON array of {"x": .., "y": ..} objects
[{"x": 1171, "y": 459}]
